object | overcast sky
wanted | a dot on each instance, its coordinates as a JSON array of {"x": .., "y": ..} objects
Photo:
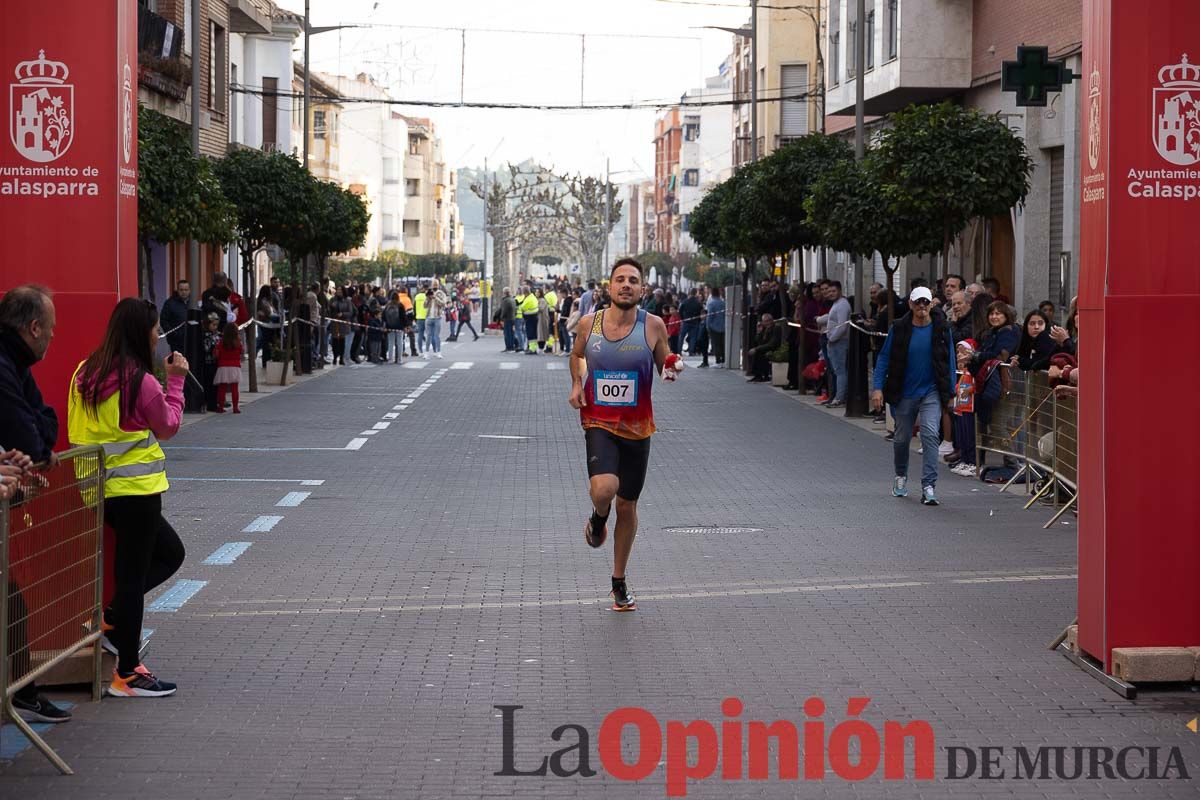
[{"x": 422, "y": 64}]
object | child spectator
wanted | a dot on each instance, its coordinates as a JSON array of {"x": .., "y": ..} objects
[
  {"x": 674, "y": 324},
  {"x": 375, "y": 334},
  {"x": 212, "y": 337},
  {"x": 1036, "y": 346},
  {"x": 228, "y": 356}
]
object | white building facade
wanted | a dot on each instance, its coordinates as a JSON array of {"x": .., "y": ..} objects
[{"x": 704, "y": 152}]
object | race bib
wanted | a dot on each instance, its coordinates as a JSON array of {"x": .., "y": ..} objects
[{"x": 615, "y": 388}]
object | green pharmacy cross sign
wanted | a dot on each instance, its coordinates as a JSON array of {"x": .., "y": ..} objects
[{"x": 1033, "y": 75}]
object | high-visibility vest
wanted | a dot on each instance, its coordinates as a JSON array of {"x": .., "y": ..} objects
[
  {"x": 552, "y": 301},
  {"x": 530, "y": 305},
  {"x": 133, "y": 460},
  {"x": 419, "y": 305},
  {"x": 519, "y": 303}
]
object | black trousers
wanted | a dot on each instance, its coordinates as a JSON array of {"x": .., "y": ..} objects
[
  {"x": 466, "y": 323},
  {"x": 356, "y": 344},
  {"x": 148, "y": 552},
  {"x": 718, "y": 345},
  {"x": 19, "y": 663}
]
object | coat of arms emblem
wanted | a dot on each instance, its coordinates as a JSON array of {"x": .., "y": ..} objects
[
  {"x": 1177, "y": 113},
  {"x": 41, "y": 109}
]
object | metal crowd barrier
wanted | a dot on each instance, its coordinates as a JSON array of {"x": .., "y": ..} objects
[
  {"x": 1034, "y": 428},
  {"x": 51, "y": 561}
]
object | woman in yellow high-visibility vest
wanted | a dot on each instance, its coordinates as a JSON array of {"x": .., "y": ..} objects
[{"x": 115, "y": 401}]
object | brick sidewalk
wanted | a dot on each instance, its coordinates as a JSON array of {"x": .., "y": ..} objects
[{"x": 356, "y": 648}]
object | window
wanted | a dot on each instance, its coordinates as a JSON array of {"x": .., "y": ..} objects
[
  {"x": 852, "y": 49},
  {"x": 233, "y": 118},
  {"x": 687, "y": 221},
  {"x": 391, "y": 170},
  {"x": 871, "y": 39},
  {"x": 390, "y": 228},
  {"x": 793, "y": 82},
  {"x": 891, "y": 26},
  {"x": 691, "y": 131},
  {"x": 414, "y": 145},
  {"x": 216, "y": 68},
  {"x": 270, "y": 113},
  {"x": 318, "y": 125},
  {"x": 412, "y": 187},
  {"x": 187, "y": 29},
  {"x": 835, "y": 58},
  {"x": 412, "y": 228},
  {"x": 691, "y": 177}
]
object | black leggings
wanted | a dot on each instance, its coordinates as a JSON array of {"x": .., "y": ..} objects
[{"x": 148, "y": 552}]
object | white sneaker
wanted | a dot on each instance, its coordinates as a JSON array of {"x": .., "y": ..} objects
[
  {"x": 945, "y": 449},
  {"x": 964, "y": 469}
]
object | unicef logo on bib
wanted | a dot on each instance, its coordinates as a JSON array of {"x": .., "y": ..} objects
[{"x": 615, "y": 388}]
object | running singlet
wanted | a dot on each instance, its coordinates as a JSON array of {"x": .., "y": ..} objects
[{"x": 619, "y": 378}]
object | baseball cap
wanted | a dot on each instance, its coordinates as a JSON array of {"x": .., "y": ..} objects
[{"x": 921, "y": 293}]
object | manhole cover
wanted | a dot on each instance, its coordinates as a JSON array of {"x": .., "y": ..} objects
[{"x": 712, "y": 529}]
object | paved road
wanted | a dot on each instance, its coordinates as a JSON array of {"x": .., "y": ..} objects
[{"x": 358, "y": 646}]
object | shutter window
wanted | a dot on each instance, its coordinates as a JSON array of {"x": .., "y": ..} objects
[{"x": 794, "y": 121}]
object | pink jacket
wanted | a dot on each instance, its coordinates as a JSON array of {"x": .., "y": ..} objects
[{"x": 157, "y": 410}]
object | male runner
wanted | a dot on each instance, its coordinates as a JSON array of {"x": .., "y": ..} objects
[{"x": 612, "y": 373}]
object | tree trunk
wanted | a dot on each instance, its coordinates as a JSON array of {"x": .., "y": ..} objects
[{"x": 251, "y": 299}]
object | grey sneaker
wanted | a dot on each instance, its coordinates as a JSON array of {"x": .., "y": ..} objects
[
  {"x": 928, "y": 498},
  {"x": 900, "y": 487}
]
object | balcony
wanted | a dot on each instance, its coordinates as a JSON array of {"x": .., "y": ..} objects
[
  {"x": 160, "y": 67},
  {"x": 932, "y": 44}
]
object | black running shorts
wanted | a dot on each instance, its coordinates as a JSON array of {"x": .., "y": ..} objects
[{"x": 609, "y": 454}]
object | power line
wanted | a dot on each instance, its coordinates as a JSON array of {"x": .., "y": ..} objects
[
  {"x": 458, "y": 29},
  {"x": 631, "y": 106},
  {"x": 737, "y": 5}
]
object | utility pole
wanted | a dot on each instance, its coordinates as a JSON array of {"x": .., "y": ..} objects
[
  {"x": 489, "y": 285},
  {"x": 860, "y": 146},
  {"x": 754, "y": 80},
  {"x": 194, "y": 249},
  {"x": 307, "y": 88},
  {"x": 607, "y": 213}
]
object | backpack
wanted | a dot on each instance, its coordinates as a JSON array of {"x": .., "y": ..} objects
[{"x": 391, "y": 316}]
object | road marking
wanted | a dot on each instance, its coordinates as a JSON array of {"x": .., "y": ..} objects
[
  {"x": 371, "y": 432},
  {"x": 556, "y": 366},
  {"x": 399, "y": 408},
  {"x": 173, "y": 599},
  {"x": 390, "y": 415},
  {"x": 1018, "y": 579},
  {"x": 499, "y": 436},
  {"x": 292, "y": 499},
  {"x": 355, "y": 444},
  {"x": 227, "y": 553},
  {"x": 262, "y": 524},
  {"x": 735, "y": 585},
  {"x": 13, "y": 742},
  {"x": 462, "y": 365},
  {"x": 253, "y": 449},
  {"x": 254, "y": 480},
  {"x": 509, "y": 365},
  {"x": 415, "y": 364},
  {"x": 381, "y": 426},
  {"x": 581, "y": 601},
  {"x": 408, "y": 401}
]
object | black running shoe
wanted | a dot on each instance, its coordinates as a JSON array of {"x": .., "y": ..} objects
[
  {"x": 141, "y": 683},
  {"x": 39, "y": 709},
  {"x": 593, "y": 538},
  {"x": 622, "y": 597}
]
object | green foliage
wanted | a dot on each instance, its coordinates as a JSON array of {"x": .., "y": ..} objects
[
  {"x": 661, "y": 262},
  {"x": 942, "y": 165},
  {"x": 179, "y": 196},
  {"x": 704, "y": 223},
  {"x": 781, "y": 355},
  {"x": 438, "y": 264},
  {"x": 782, "y": 181},
  {"x": 275, "y": 198}
]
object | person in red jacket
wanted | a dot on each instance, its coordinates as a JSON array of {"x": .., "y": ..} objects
[{"x": 228, "y": 354}]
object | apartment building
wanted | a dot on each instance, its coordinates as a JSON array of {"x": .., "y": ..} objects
[
  {"x": 668, "y": 138},
  {"x": 704, "y": 150},
  {"x": 431, "y": 220},
  {"x": 787, "y": 57},
  {"x": 923, "y": 51},
  {"x": 640, "y": 217}
]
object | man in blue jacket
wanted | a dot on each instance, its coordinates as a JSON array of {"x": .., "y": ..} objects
[
  {"x": 28, "y": 431},
  {"x": 915, "y": 375}
]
